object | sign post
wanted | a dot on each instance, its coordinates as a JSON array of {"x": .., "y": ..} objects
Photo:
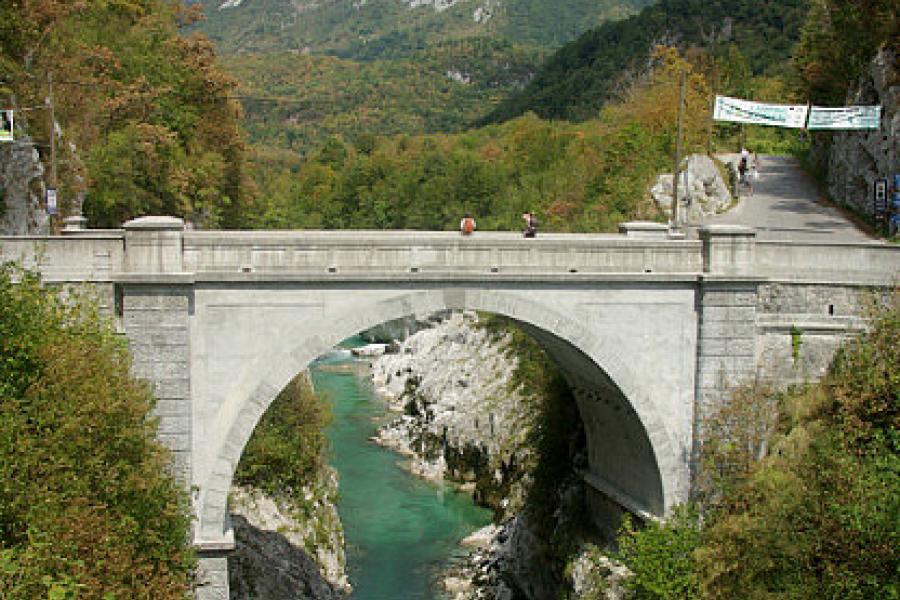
[
  {"x": 51, "y": 201},
  {"x": 880, "y": 201}
]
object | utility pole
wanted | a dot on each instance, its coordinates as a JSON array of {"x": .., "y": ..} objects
[
  {"x": 712, "y": 108},
  {"x": 677, "y": 169},
  {"x": 54, "y": 218},
  {"x": 52, "y": 130}
]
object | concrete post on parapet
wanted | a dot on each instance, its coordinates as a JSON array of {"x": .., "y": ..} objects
[
  {"x": 644, "y": 230},
  {"x": 728, "y": 250},
  {"x": 154, "y": 245}
]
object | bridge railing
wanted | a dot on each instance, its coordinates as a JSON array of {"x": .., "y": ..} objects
[
  {"x": 864, "y": 264},
  {"x": 91, "y": 256},
  {"x": 157, "y": 245},
  {"x": 433, "y": 252}
]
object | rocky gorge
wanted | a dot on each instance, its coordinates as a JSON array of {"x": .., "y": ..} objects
[{"x": 466, "y": 417}]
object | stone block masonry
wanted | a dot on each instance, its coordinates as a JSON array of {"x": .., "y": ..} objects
[
  {"x": 156, "y": 320},
  {"x": 726, "y": 347}
]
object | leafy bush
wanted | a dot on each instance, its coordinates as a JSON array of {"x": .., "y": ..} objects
[
  {"x": 86, "y": 506},
  {"x": 288, "y": 448},
  {"x": 660, "y": 556}
]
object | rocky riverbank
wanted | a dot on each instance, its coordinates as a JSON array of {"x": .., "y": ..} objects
[
  {"x": 460, "y": 420},
  {"x": 288, "y": 550}
]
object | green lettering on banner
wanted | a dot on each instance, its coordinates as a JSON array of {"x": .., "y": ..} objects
[
  {"x": 847, "y": 117},
  {"x": 736, "y": 110}
]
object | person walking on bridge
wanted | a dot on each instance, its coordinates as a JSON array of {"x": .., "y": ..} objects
[
  {"x": 530, "y": 225},
  {"x": 467, "y": 224}
]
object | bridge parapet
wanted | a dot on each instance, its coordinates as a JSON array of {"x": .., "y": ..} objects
[
  {"x": 93, "y": 256},
  {"x": 373, "y": 252},
  {"x": 157, "y": 247},
  {"x": 860, "y": 264}
]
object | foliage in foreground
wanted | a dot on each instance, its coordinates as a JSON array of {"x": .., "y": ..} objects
[
  {"x": 660, "y": 557},
  {"x": 86, "y": 507},
  {"x": 817, "y": 517}
]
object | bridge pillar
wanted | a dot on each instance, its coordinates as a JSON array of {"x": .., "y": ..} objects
[
  {"x": 727, "y": 305},
  {"x": 156, "y": 308}
]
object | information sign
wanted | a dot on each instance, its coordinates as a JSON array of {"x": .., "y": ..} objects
[
  {"x": 6, "y": 125},
  {"x": 736, "y": 110},
  {"x": 51, "y": 201},
  {"x": 847, "y": 117}
]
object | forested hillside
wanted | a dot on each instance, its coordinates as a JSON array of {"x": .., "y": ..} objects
[
  {"x": 578, "y": 177},
  {"x": 398, "y": 28},
  {"x": 143, "y": 125},
  {"x": 583, "y": 75},
  {"x": 294, "y": 101}
]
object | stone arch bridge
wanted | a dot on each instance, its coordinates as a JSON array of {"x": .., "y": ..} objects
[{"x": 649, "y": 328}]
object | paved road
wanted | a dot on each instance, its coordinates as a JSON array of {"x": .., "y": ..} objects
[{"x": 785, "y": 206}]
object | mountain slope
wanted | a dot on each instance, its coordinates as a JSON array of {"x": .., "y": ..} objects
[
  {"x": 582, "y": 75},
  {"x": 295, "y": 101},
  {"x": 368, "y": 29}
]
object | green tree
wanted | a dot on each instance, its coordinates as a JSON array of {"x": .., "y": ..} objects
[
  {"x": 86, "y": 506},
  {"x": 660, "y": 556}
]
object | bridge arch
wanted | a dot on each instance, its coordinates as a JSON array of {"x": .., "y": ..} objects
[{"x": 614, "y": 397}]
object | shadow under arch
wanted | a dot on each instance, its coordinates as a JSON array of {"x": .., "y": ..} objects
[{"x": 563, "y": 337}]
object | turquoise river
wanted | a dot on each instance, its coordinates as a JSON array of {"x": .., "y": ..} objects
[{"x": 400, "y": 530}]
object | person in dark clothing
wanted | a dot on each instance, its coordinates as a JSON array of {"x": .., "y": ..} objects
[{"x": 530, "y": 225}]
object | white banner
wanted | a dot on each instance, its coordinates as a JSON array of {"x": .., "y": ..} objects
[
  {"x": 6, "y": 125},
  {"x": 847, "y": 117},
  {"x": 758, "y": 113}
]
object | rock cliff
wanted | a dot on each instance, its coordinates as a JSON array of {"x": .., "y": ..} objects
[
  {"x": 21, "y": 190},
  {"x": 462, "y": 422},
  {"x": 701, "y": 190},
  {"x": 288, "y": 551},
  {"x": 858, "y": 158}
]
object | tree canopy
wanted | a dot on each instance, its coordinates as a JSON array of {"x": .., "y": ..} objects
[{"x": 143, "y": 119}]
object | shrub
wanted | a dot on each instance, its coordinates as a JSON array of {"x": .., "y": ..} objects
[{"x": 86, "y": 506}]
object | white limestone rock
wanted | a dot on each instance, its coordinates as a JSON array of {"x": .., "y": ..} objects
[{"x": 701, "y": 189}]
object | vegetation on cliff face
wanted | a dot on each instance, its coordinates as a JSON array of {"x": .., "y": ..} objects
[
  {"x": 86, "y": 507},
  {"x": 288, "y": 448},
  {"x": 145, "y": 125},
  {"x": 838, "y": 40}
]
